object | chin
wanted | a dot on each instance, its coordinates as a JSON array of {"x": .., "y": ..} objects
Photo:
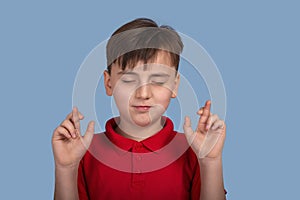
[
  {"x": 142, "y": 122},
  {"x": 145, "y": 120}
]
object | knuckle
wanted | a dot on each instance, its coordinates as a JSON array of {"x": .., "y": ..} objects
[
  {"x": 55, "y": 130},
  {"x": 70, "y": 124},
  {"x": 66, "y": 127},
  {"x": 65, "y": 122},
  {"x": 61, "y": 130}
]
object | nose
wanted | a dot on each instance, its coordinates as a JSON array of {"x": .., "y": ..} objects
[{"x": 143, "y": 92}]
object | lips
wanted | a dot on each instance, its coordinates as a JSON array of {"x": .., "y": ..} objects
[{"x": 142, "y": 108}]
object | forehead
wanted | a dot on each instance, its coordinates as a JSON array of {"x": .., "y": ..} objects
[{"x": 161, "y": 62}]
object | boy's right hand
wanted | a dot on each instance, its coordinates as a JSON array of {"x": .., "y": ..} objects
[{"x": 67, "y": 143}]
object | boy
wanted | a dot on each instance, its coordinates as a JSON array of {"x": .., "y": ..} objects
[{"x": 142, "y": 77}]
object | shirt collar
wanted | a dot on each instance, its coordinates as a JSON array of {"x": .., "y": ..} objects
[{"x": 153, "y": 143}]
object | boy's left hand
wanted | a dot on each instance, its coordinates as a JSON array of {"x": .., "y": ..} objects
[{"x": 208, "y": 139}]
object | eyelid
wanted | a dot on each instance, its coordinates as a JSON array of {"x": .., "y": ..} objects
[
  {"x": 160, "y": 79},
  {"x": 128, "y": 79},
  {"x": 158, "y": 82},
  {"x": 129, "y": 76},
  {"x": 161, "y": 75}
]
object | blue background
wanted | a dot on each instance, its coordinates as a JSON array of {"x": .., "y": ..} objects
[{"x": 255, "y": 45}]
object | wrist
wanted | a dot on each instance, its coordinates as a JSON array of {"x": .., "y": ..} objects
[
  {"x": 210, "y": 161},
  {"x": 66, "y": 174},
  {"x": 66, "y": 182},
  {"x": 69, "y": 168}
]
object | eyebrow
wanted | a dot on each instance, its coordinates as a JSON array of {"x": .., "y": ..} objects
[
  {"x": 160, "y": 75},
  {"x": 127, "y": 72}
]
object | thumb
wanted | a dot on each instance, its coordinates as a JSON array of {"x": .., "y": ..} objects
[
  {"x": 189, "y": 133},
  {"x": 88, "y": 136}
]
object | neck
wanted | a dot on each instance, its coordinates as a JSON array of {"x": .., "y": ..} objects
[{"x": 138, "y": 133}]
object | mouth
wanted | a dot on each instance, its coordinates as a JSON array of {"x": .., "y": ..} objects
[{"x": 142, "y": 108}]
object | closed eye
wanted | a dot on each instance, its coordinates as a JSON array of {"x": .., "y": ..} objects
[
  {"x": 158, "y": 82},
  {"x": 129, "y": 78},
  {"x": 128, "y": 81}
]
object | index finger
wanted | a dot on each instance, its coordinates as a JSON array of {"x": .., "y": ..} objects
[
  {"x": 70, "y": 116},
  {"x": 206, "y": 109},
  {"x": 75, "y": 118},
  {"x": 204, "y": 116}
]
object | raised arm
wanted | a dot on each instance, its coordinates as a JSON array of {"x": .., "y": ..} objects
[
  {"x": 207, "y": 142},
  {"x": 68, "y": 149}
]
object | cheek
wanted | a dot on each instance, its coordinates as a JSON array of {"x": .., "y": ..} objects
[
  {"x": 121, "y": 92},
  {"x": 163, "y": 97},
  {"x": 122, "y": 98}
]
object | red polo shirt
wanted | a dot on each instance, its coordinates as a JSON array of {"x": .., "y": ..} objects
[{"x": 162, "y": 166}]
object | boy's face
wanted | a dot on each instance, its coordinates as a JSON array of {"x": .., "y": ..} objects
[{"x": 142, "y": 94}]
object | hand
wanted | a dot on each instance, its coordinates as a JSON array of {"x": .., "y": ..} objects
[
  {"x": 208, "y": 139},
  {"x": 67, "y": 143}
]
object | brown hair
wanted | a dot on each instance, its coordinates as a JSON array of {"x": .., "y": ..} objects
[{"x": 141, "y": 40}]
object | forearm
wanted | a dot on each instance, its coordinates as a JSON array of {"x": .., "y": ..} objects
[
  {"x": 66, "y": 183},
  {"x": 212, "y": 185}
]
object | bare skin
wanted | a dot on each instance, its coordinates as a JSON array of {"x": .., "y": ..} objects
[
  {"x": 68, "y": 149},
  {"x": 212, "y": 186}
]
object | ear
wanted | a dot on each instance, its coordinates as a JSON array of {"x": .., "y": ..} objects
[
  {"x": 107, "y": 83},
  {"x": 175, "y": 90}
]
